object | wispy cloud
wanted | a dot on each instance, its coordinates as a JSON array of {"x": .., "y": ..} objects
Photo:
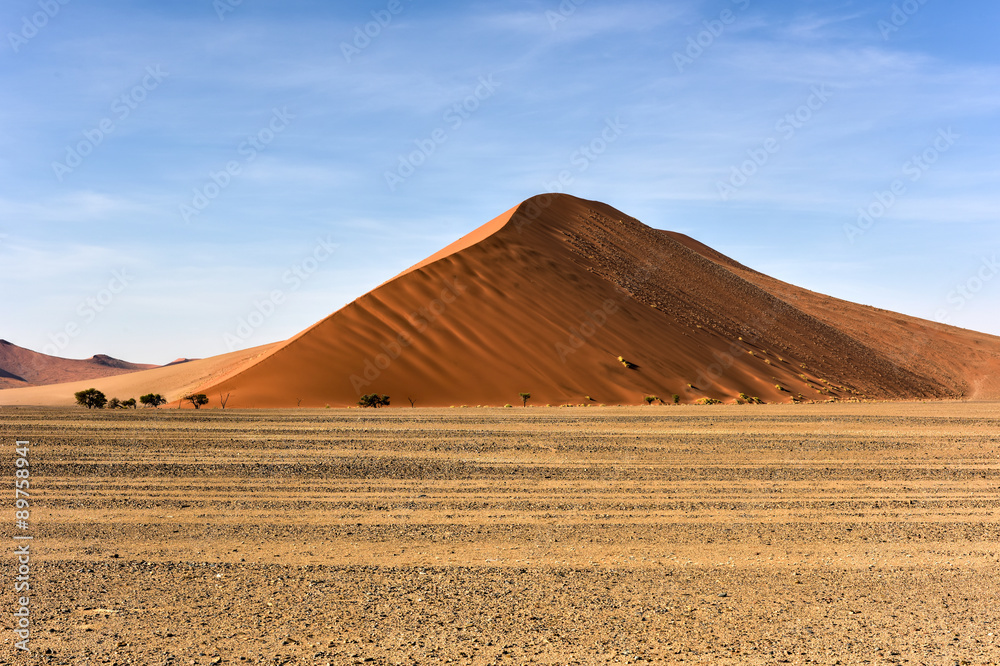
[{"x": 71, "y": 208}]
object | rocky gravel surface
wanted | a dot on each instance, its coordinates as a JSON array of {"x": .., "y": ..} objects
[{"x": 771, "y": 534}]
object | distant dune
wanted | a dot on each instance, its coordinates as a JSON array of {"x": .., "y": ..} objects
[
  {"x": 575, "y": 302},
  {"x": 21, "y": 367},
  {"x": 172, "y": 381}
]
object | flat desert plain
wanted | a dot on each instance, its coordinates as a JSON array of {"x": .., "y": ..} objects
[{"x": 829, "y": 534}]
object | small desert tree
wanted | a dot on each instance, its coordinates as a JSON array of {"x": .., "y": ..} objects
[
  {"x": 114, "y": 403},
  {"x": 650, "y": 399},
  {"x": 197, "y": 399},
  {"x": 128, "y": 404},
  {"x": 91, "y": 398},
  {"x": 524, "y": 398},
  {"x": 373, "y": 400},
  {"x": 152, "y": 400}
]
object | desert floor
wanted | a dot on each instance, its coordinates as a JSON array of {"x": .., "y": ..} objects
[{"x": 698, "y": 535}]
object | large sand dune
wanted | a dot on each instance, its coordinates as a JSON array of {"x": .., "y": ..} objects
[{"x": 545, "y": 299}]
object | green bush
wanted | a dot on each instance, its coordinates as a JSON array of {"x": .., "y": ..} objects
[
  {"x": 152, "y": 400},
  {"x": 196, "y": 399},
  {"x": 373, "y": 400},
  {"x": 91, "y": 399}
]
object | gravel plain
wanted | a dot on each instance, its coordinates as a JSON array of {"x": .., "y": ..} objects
[{"x": 824, "y": 534}]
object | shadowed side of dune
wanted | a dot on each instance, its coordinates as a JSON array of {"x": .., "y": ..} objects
[{"x": 966, "y": 363}]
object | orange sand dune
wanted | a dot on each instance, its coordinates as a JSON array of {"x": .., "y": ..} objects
[
  {"x": 549, "y": 298},
  {"x": 545, "y": 298}
]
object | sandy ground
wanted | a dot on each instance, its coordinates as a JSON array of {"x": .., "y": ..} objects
[{"x": 698, "y": 535}]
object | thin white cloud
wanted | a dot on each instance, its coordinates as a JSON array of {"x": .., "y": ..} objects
[
  {"x": 814, "y": 26},
  {"x": 73, "y": 207}
]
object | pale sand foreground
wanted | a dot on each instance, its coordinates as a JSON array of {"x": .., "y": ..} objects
[{"x": 725, "y": 535}]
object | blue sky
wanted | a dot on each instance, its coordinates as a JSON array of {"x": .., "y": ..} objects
[{"x": 169, "y": 169}]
